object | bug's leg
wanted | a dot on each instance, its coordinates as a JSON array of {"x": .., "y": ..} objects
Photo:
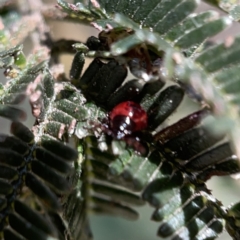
[
  {"x": 58, "y": 47},
  {"x": 146, "y": 58},
  {"x": 139, "y": 147},
  {"x": 147, "y": 65},
  {"x": 101, "y": 126},
  {"x": 90, "y": 127},
  {"x": 142, "y": 69},
  {"x": 181, "y": 126}
]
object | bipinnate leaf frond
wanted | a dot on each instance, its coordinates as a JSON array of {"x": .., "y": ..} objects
[{"x": 48, "y": 188}]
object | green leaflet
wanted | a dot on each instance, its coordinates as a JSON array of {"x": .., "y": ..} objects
[
  {"x": 235, "y": 12},
  {"x": 221, "y": 55},
  {"x": 231, "y": 7},
  {"x": 178, "y": 204},
  {"x": 158, "y": 15},
  {"x": 17, "y": 158},
  {"x": 193, "y": 36}
]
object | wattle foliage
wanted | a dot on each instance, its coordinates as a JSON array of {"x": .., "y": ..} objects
[{"x": 69, "y": 165}]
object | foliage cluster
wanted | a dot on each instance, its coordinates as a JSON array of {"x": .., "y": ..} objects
[{"x": 68, "y": 166}]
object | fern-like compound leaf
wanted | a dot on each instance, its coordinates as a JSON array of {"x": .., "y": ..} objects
[
  {"x": 39, "y": 178},
  {"x": 197, "y": 209},
  {"x": 178, "y": 203},
  {"x": 115, "y": 175}
]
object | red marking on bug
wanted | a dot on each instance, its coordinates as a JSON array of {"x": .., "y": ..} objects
[{"x": 126, "y": 118}]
